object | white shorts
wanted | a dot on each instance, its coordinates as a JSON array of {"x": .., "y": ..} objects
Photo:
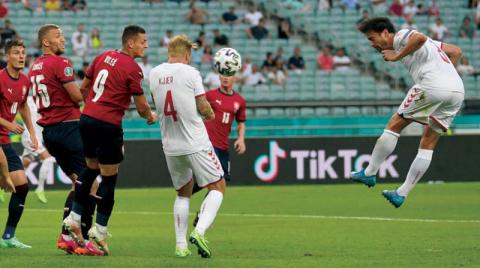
[
  {"x": 204, "y": 165},
  {"x": 433, "y": 108},
  {"x": 27, "y": 143}
]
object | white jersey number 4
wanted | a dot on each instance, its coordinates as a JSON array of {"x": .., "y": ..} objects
[{"x": 169, "y": 108}]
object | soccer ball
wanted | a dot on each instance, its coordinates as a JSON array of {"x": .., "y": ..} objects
[{"x": 227, "y": 61}]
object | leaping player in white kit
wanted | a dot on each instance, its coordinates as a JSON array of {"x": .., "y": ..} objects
[
  {"x": 41, "y": 153},
  {"x": 434, "y": 100},
  {"x": 181, "y": 103}
]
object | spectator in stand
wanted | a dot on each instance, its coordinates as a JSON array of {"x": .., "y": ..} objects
[
  {"x": 467, "y": 30},
  {"x": 3, "y": 62},
  {"x": 410, "y": 10},
  {"x": 284, "y": 29},
  {"x": 433, "y": 9},
  {"x": 219, "y": 39},
  {"x": 421, "y": 10},
  {"x": 255, "y": 77},
  {"x": 212, "y": 80},
  {"x": 7, "y": 33},
  {"x": 268, "y": 63},
  {"x": 280, "y": 55},
  {"x": 341, "y": 62},
  {"x": 247, "y": 66},
  {"x": 378, "y": 6},
  {"x": 53, "y": 5},
  {"x": 166, "y": 39},
  {"x": 197, "y": 55},
  {"x": 278, "y": 75},
  {"x": 230, "y": 17},
  {"x": 464, "y": 68},
  {"x": 350, "y": 4},
  {"x": 253, "y": 16},
  {"x": 396, "y": 9},
  {"x": 438, "y": 31},
  {"x": 146, "y": 67},
  {"x": 95, "y": 40},
  {"x": 207, "y": 57},
  {"x": 324, "y": 5},
  {"x": 325, "y": 60},
  {"x": 28, "y": 5},
  {"x": 296, "y": 62},
  {"x": 197, "y": 15},
  {"x": 78, "y": 5},
  {"x": 365, "y": 16},
  {"x": 3, "y": 9},
  {"x": 409, "y": 24},
  {"x": 259, "y": 31},
  {"x": 80, "y": 41},
  {"x": 201, "y": 39},
  {"x": 67, "y": 6}
]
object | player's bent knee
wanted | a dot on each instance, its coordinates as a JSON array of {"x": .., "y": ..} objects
[
  {"x": 109, "y": 170},
  {"x": 92, "y": 163},
  {"x": 219, "y": 185},
  {"x": 18, "y": 177}
]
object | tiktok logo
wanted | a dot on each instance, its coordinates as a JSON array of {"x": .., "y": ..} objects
[{"x": 271, "y": 160}]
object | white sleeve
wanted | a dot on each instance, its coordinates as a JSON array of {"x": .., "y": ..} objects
[
  {"x": 196, "y": 83},
  {"x": 401, "y": 38}
]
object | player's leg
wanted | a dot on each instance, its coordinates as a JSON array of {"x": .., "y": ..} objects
[
  {"x": 46, "y": 166},
  {"x": 181, "y": 174},
  {"x": 208, "y": 173},
  {"x": 4, "y": 175},
  {"x": 17, "y": 199}
]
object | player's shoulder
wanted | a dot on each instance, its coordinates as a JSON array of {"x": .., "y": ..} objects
[
  {"x": 61, "y": 60},
  {"x": 239, "y": 97}
]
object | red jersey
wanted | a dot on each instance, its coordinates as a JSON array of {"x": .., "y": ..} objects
[
  {"x": 116, "y": 77},
  {"x": 226, "y": 107},
  {"x": 48, "y": 74},
  {"x": 13, "y": 93}
]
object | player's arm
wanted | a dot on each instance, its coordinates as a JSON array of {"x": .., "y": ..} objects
[
  {"x": 453, "y": 52},
  {"x": 143, "y": 109},
  {"x": 73, "y": 91},
  {"x": 239, "y": 144},
  {"x": 85, "y": 87},
  {"x": 204, "y": 107},
  {"x": 414, "y": 42},
  {"x": 11, "y": 126},
  {"x": 24, "y": 111}
]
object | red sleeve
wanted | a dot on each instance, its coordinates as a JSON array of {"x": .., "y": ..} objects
[
  {"x": 134, "y": 81},
  {"x": 64, "y": 71},
  {"x": 241, "y": 116}
]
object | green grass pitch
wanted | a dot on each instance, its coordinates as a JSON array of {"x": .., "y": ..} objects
[{"x": 274, "y": 226}]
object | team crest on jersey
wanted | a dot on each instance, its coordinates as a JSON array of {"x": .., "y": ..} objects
[
  {"x": 236, "y": 106},
  {"x": 68, "y": 71}
]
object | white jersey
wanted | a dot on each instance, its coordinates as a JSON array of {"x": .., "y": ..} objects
[
  {"x": 174, "y": 87},
  {"x": 26, "y": 142},
  {"x": 429, "y": 66}
]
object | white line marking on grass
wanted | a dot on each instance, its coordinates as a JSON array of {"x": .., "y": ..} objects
[{"x": 289, "y": 216}]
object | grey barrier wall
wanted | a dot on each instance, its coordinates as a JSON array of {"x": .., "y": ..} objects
[{"x": 297, "y": 161}]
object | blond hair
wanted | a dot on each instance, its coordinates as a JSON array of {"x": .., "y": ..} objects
[{"x": 180, "y": 45}]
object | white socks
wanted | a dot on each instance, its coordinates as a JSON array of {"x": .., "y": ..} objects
[
  {"x": 208, "y": 210},
  {"x": 383, "y": 148},
  {"x": 417, "y": 169},
  {"x": 47, "y": 165},
  {"x": 180, "y": 214}
]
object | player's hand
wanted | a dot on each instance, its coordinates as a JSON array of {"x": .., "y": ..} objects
[
  {"x": 390, "y": 55},
  {"x": 7, "y": 184},
  {"x": 15, "y": 128},
  {"x": 152, "y": 119},
  {"x": 239, "y": 146},
  {"x": 34, "y": 143}
]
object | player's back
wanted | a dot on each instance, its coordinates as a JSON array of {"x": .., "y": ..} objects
[
  {"x": 429, "y": 66},
  {"x": 115, "y": 78},
  {"x": 174, "y": 87},
  {"x": 48, "y": 74}
]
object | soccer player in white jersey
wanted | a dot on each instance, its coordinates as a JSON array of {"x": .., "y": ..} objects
[
  {"x": 41, "y": 153},
  {"x": 181, "y": 103},
  {"x": 434, "y": 100}
]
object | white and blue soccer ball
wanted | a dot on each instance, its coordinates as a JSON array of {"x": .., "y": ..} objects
[{"x": 227, "y": 61}]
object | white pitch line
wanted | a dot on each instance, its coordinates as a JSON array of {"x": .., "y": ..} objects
[{"x": 289, "y": 216}]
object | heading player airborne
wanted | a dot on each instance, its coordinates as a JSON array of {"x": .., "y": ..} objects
[{"x": 434, "y": 100}]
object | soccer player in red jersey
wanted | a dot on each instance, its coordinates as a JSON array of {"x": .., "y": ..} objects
[
  {"x": 111, "y": 81},
  {"x": 14, "y": 88},
  {"x": 57, "y": 97}
]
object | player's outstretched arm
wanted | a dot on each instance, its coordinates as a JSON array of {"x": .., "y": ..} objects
[
  {"x": 27, "y": 120},
  {"x": 143, "y": 109},
  {"x": 85, "y": 87},
  {"x": 204, "y": 108},
  {"x": 416, "y": 41},
  {"x": 73, "y": 91},
  {"x": 453, "y": 52}
]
